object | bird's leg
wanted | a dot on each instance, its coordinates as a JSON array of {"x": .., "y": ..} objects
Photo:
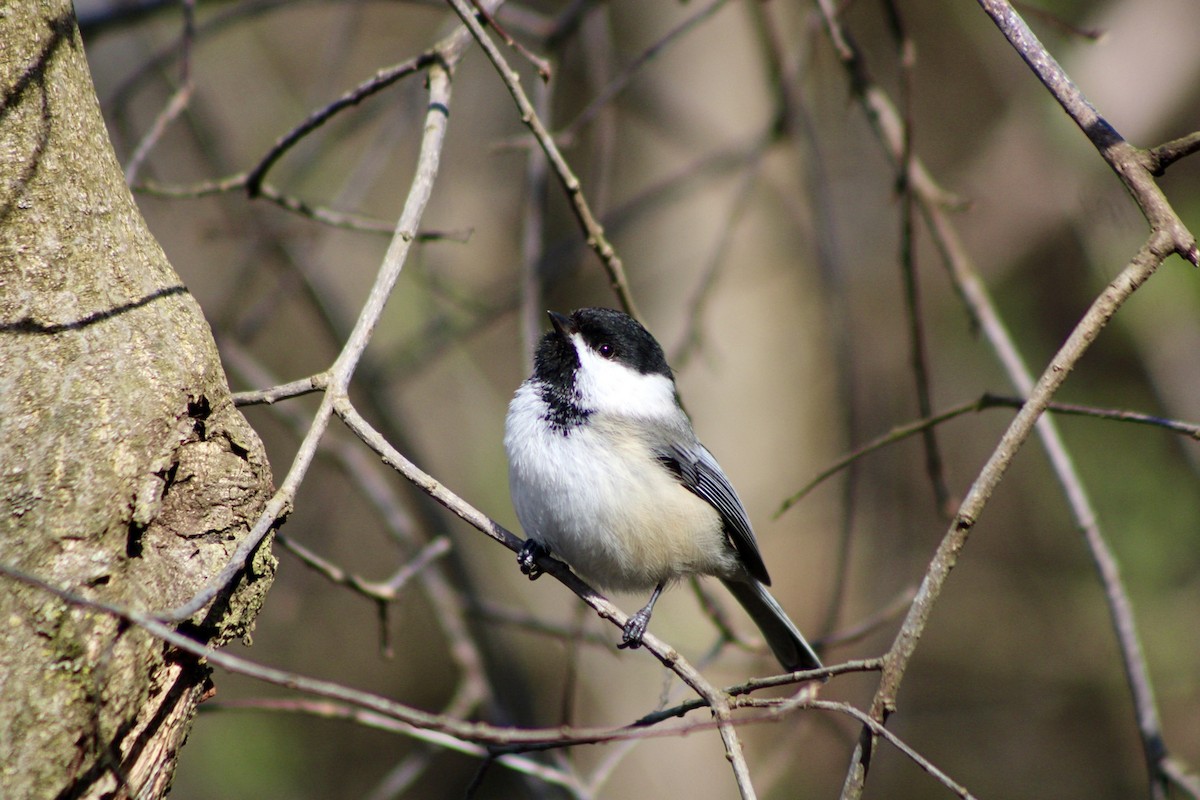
[
  {"x": 635, "y": 628},
  {"x": 528, "y": 557}
]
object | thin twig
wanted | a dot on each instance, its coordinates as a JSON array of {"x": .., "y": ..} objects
[
  {"x": 751, "y": 686},
  {"x": 470, "y": 732},
  {"x": 794, "y": 119},
  {"x": 666, "y": 654},
  {"x": 986, "y": 401},
  {"x": 540, "y": 64},
  {"x": 180, "y": 98},
  {"x": 1168, "y": 236},
  {"x": 326, "y": 216},
  {"x": 1132, "y": 166},
  {"x": 1190, "y": 429},
  {"x": 318, "y": 213},
  {"x": 194, "y": 191},
  {"x": 1179, "y": 776},
  {"x": 1059, "y": 23},
  {"x": 919, "y": 358},
  {"x": 870, "y": 624},
  {"x": 716, "y": 614},
  {"x": 373, "y": 85},
  {"x": 385, "y": 591},
  {"x": 592, "y": 230},
  {"x": 492, "y": 613},
  {"x": 622, "y": 80},
  {"x": 367, "y": 475},
  {"x": 340, "y": 373},
  {"x": 327, "y": 709},
  {"x": 284, "y": 391},
  {"x": 1167, "y": 154},
  {"x": 1139, "y": 269},
  {"x": 879, "y": 730},
  {"x": 891, "y": 437},
  {"x": 533, "y": 233},
  {"x": 691, "y": 339}
]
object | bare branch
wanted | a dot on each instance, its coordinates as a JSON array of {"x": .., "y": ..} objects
[
  {"x": 896, "y": 434},
  {"x": 540, "y": 64},
  {"x": 901, "y": 432},
  {"x": 179, "y": 100},
  {"x": 340, "y": 373},
  {"x": 327, "y": 709},
  {"x": 1134, "y": 275},
  {"x": 917, "y": 344},
  {"x": 1168, "y": 235},
  {"x": 1165, "y": 155},
  {"x": 592, "y": 230},
  {"x": 618, "y": 83},
  {"x": 284, "y": 391},
  {"x": 385, "y": 591},
  {"x": 666, "y": 654},
  {"x": 1133, "y": 166},
  {"x": 376, "y": 83},
  {"x": 879, "y": 730},
  {"x": 870, "y": 624},
  {"x": 317, "y": 213}
]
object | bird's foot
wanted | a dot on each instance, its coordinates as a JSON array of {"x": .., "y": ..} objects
[
  {"x": 635, "y": 629},
  {"x": 528, "y": 557}
]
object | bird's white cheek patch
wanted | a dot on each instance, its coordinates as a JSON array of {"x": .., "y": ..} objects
[{"x": 612, "y": 387}]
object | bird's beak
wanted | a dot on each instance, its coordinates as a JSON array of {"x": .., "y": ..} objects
[{"x": 563, "y": 324}]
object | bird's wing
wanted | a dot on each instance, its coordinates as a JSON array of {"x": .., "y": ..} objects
[{"x": 696, "y": 469}]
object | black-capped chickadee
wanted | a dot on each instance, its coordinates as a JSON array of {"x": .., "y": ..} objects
[{"x": 606, "y": 472}]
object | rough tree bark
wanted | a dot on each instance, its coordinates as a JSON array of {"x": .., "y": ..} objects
[{"x": 126, "y": 475}]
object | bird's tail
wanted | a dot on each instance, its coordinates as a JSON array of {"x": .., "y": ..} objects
[{"x": 782, "y": 636}]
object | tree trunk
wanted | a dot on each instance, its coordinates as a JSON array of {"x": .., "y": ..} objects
[{"x": 126, "y": 474}]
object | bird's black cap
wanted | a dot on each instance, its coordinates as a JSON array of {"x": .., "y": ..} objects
[{"x": 615, "y": 335}]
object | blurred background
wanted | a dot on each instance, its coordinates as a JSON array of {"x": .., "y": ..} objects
[{"x": 758, "y": 218}]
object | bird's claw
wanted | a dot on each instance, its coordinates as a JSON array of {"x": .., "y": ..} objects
[
  {"x": 528, "y": 557},
  {"x": 635, "y": 629}
]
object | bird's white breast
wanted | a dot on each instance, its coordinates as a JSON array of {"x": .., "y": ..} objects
[{"x": 597, "y": 497}]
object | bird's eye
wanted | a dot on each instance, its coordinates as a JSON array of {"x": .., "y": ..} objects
[{"x": 606, "y": 350}]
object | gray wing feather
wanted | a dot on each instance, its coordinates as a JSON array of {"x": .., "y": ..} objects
[
  {"x": 785, "y": 641},
  {"x": 700, "y": 474}
]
